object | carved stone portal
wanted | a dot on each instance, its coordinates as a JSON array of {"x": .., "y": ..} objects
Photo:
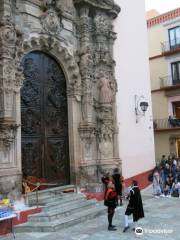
[{"x": 78, "y": 36}]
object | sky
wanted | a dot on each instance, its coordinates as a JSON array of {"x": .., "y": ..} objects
[{"x": 162, "y": 6}]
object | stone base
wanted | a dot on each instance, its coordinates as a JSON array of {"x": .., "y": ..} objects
[{"x": 10, "y": 183}]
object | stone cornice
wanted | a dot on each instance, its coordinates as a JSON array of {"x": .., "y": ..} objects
[{"x": 107, "y": 5}]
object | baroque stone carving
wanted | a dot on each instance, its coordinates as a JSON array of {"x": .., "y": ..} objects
[
  {"x": 105, "y": 95},
  {"x": 50, "y": 22},
  {"x": 87, "y": 133},
  {"x": 8, "y": 73},
  {"x": 102, "y": 25},
  {"x": 65, "y": 5},
  {"x": 60, "y": 5},
  {"x": 7, "y": 133},
  {"x": 7, "y": 33},
  {"x": 107, "y": 5},
  {"x": 56, "y": 48},
  {"x": 49, "y": 3},
  {"x": 86, "y": 62},
  {"x": 91, "y": 35},
  {"x": 106, "y": 132}
]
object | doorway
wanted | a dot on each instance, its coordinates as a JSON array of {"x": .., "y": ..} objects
[{"x": 44, "y": 118}]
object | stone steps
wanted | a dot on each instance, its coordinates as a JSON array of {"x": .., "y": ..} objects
[
  {"x": 62, "y": 223},
  {"x": 53, "y": 199},
  {"x": 60, "y": 210},
  {"x": 49, "y": 191},
  {"x": 63, "y": 203},
  {"x": 48, "y": 195}
]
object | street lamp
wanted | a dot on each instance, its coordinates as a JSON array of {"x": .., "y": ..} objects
[{"x": 140, "y": 107}]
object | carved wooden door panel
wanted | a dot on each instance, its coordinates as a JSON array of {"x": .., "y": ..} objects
[{"x": 45, "y": 149}]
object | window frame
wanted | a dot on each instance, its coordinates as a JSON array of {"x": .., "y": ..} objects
[
  {"x": 178, "y": 72},
  {"x": 175, "y": 39}
]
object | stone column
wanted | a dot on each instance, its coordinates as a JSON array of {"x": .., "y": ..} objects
[
  {"x": 87, "y": 127},
  {"x": 98, "y": 128},
  {"x": 9, "y": 40},
  {"x": 86, "y": 63}
]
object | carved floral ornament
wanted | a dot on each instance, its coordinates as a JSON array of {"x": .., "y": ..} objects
[
  {"x": 87, "y": 132},
  {"x": 51, "y": 22},
  {"x": 106, "y": 132},
  {"x": 7, "y": 134},
  {"x": 7, "y": 33},
  {"x": 57, "y": 49},
  {"x": 103, "y": 25}
]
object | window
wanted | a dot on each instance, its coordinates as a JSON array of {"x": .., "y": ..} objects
[
  {"x": 176, "y": 109},
  {"x": 174, "y": 37},
  {"x": 175, "y": 68}
]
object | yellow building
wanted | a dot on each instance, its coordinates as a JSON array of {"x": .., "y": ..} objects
[{"x": 164, "y": 57}]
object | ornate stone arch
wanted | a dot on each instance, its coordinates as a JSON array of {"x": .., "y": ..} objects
[
  {"x": 66, "y": 60},
  {"x": 59, "y": 51}
]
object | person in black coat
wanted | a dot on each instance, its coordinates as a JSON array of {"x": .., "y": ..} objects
[
  {"x": 105, "y": 180},
  {"x": 135, "y": 206},
  {"x": 118, "y": 184}
]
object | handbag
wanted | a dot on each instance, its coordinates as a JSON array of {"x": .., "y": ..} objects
[{"x": 175, "y": 194}]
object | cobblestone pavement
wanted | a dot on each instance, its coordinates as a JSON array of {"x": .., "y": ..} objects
[{"x": 161, "y": 214}]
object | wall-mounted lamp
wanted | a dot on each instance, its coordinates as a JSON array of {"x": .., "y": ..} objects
[{"x": 140, "y": 107}]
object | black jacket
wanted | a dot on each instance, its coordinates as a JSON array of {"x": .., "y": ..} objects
[{"x": 135, "y": 203}]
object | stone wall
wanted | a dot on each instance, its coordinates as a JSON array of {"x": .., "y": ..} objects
[{"x": 79, "y": 35}]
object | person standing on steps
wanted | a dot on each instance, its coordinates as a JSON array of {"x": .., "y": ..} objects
[
  {"x": 135, "y": 206},
  {"x": 118, "y": 184},
  {"x": 110, "y": 200},
  {"x": 105, "y": 180}
]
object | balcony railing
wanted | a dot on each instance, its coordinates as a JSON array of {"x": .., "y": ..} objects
[
  {"x": 170, "y": 46},
  {"x": 168, "y": 81},
  {"x": 166, "y": 123}
]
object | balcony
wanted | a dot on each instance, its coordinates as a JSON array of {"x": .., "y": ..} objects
[
  {"x": 170, "y": 47},
  {"x": 166, "y": 124},
  {"x": 167, "y": 81}
]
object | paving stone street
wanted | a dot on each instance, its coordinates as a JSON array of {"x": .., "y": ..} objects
[{"x": 161, "y": 214}]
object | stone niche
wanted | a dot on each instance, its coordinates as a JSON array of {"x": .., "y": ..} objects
[{"x": 79, "y": 35}]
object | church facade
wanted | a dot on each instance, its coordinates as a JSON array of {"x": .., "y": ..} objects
[{"x": 57, "y": 91}]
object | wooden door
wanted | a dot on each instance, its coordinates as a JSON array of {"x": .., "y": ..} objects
[{"x": 44, "y": 117}]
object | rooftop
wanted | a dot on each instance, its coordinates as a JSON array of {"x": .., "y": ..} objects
[{"x": 158, "y": 19}]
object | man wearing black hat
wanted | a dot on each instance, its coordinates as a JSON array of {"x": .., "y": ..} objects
[{"x": 135, "y": 206}]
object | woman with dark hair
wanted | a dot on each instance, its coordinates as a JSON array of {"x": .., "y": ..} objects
[{"x": 110, "y": 200}]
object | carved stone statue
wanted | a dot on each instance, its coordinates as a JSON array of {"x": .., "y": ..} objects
[
  {"x": 105, "y": 95},
  {"x": 86, "y": 62},
  {"x": 102, "y": 25}
]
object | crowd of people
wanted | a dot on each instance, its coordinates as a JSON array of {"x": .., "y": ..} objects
[
  {"x": 166, "y": 177},
  {"x": 113, "y": 197}
]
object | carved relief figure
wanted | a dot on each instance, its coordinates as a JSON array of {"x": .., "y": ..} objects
[
  {"x": 8, "y": 33},
  {"x": 102, "y": 25},
  {"x": 86, "y": 62},
  {"x": 105, "y": 95},
  {"x": 51, "y": 22},
  {"x": 106, "y": 140},
  {"x": 106, "y": 133}
]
